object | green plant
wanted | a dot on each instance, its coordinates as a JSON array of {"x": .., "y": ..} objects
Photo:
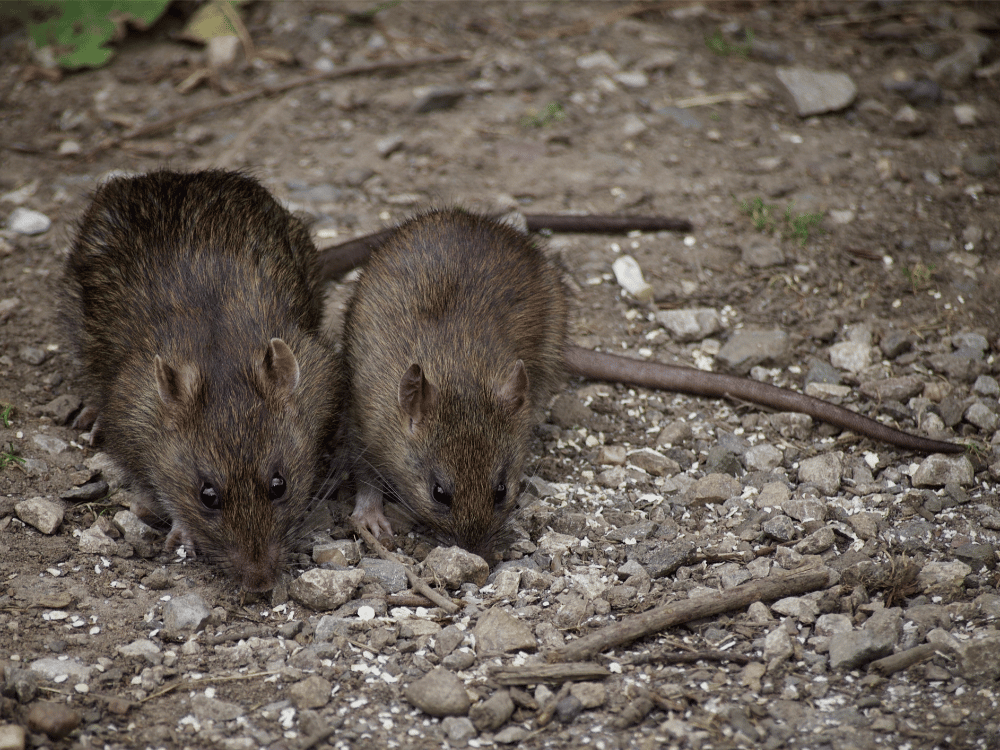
[
  {"x": 800, "y": 225},
  {"x": 718, "y": 44},
  {"x": 919, "y": 276},
  {"x": 77, "y": 32},
  {"x": 553, "y": 112},
  {"x": 762, "y": 216},
  {"x": 9, "y": 457},
  {"x": 5, "y": 414}
]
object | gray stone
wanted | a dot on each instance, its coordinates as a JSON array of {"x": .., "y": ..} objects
[
  {"x": 816, "y": 92},
  {"x": 819, "y": 541},
  {"x": 95, "y": 541},
  {"x": 26, "y": 221},
  {"x": 458, "y": 729},
  {"x": 747, "y": 348},
  {"x": 44, "y": 515},
  {"x": 713, "y": 489},
  {"x": 188, "y": 612},
  {"x": 143, "y": 649},
  {"x": 32, "y": 355},
  {"x": 653, "y": 462},
  {"x": 762, "y": 252},
  {"x": 447, "y": 640},
  {"x": 943, "y": 578},
  {"x": 56, "y": 720},
  {"x": 611, "y": 455},
  {"x": 763, "y": 457},
  {"x": 569, "y": 411},
  {"x": 666, "y": 559},
  {"x": 938, "y": 470},
  {"x": 825, "y": 471},
  {"x": 853, "y": 356},
  {"x": 51, "y": 668},
  {"x": 454, "y": 566},
  {"x": 830, "y": 624},
  {"x": 590, "y": 694},
  {"x": 311, "y": 693},
  {"x": 513, "y": 735},
  {"x": 693, "y": 324},
  {"x": 568, "y": 708},
  {"x": 50, "y": 443},
  {"x": 61, "y": 408},
  {"x": 856, "y": 648},
  {"x": 7, "y": 307},
  {"x": 438, "y": 99},
  {"x": 977, "y": 556},
  {"x": 893, "y": 389},
  {"x": 392, "y": 575},
  {"x": 213, "y": 709},
  {"x": 439, "y": 693},
  {"x": 134, "y": 530},
  {"x": 340, "y": 551},
  {"x": 979, "y": 660},
  {"x": 772, "y": 495},
  {"x": 599, "y": 59},
  {"x": 804, "y": 509},
  {"x": 498, "y": 632},
  {"x": 982, "y": 416},
  {"x": 966, "y": 115},
  {"x": 323, "y": 590},
  {"x": 388, "y": 145},
  {"x": 329, "y": 627},
  {"x": 86, "y": 493},
  {"x": 780, "y": 528},
  {"x": 980, "y": 165},
  {"x": 777, "y": 646},
  {"x": 221, "y": 50},
  {"x": 986, "y": 386},
  {"x": 492, "y": 713}
]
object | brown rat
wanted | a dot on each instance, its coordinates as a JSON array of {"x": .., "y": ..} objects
[
  {"x": 193, "y": 304},
  {"x": 453, "y": 343},
  {"x": 438, "y": 407}
]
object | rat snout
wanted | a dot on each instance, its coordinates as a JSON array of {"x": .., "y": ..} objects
[{"x": 258, "y": 566}]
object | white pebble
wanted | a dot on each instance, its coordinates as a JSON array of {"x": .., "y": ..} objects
[
  {"x": 25, "y": 221},
  {"x": 629, "y": 276}
]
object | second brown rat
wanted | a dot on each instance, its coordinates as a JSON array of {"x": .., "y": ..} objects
[
  {"x": 453, "y": 340},
  {"x": 193, "y": 304}
]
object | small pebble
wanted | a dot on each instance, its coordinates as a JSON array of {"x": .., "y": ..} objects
[{"x": 25, "y": 221}]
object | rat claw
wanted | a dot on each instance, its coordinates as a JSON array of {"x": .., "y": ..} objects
[
  {"x": 369, "y": 515},
  {"x": 178, "y": 537}
]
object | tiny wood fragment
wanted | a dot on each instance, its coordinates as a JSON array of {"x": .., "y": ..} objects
[
  {"x": 667, "y": 615},
  {"x": 531, "y": 674},
  {"x": 904, "y": 659}
]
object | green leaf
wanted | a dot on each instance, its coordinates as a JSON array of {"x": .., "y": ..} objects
[{"x": 78, "y": 33}]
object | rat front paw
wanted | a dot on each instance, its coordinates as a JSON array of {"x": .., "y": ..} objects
[{"x": 369, "y": 515}]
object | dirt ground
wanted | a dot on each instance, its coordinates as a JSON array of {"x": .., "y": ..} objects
[{"x": 555, "y": 107}]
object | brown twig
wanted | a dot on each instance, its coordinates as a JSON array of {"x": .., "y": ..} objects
[
  {"x": 270, "y": 90},
  {"x": 905, "y": 659},
  {"x": 338, "y": 259},
  {"x": 690, "y": 657},
  {"x": 418, "y": 584},
  {"x": 660, "y": 618},
  {"x": 532, "y": 674},
  {"x": 549, "y": 709}
]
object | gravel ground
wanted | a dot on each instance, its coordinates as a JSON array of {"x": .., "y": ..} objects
[{"x": 689, "y": 573}]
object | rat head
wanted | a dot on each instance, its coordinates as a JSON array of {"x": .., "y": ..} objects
[
  {"x": 464, "y": 454},
  {"x": 237, "y": 463}
]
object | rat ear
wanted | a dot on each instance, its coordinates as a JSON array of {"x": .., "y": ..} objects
[
  {"x": 281, "y": 369},
  {"x": 514, "y": 393},
  {"x": 176, "y": 385},
  {"x": 417, "y": 396}
]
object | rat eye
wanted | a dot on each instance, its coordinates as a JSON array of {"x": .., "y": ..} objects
[
  {"x": 277, "y": 489},
  {"x": 499, "y": 494},
  {"x": 209, "y": 497},
  {"x": 441, "y": 495}
]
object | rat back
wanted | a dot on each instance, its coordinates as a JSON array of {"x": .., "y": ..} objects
[
  {"x": 191, "y": 301},
  {"x": 453, "y": 342}
]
